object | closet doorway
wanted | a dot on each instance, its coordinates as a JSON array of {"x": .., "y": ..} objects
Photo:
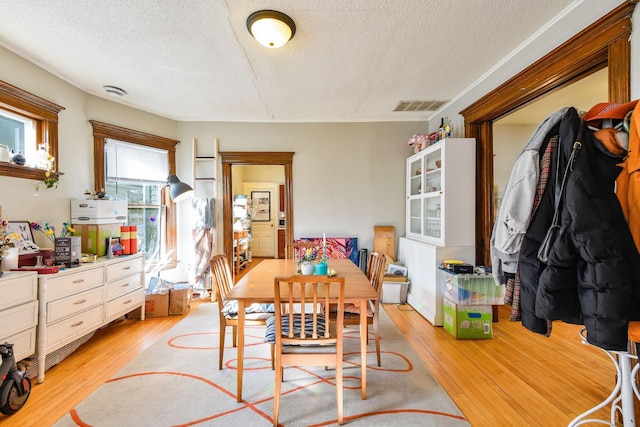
[
  {"x": 246, "y": 158},
  {"x": 512, "y": 132},
  {"x": 604, "y": 44}
]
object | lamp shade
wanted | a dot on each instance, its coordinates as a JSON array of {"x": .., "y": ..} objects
[
  {"x": 178, "y": 190},
  {"x": 271, "y": 28}
]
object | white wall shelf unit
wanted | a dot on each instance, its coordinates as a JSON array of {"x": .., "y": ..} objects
[{"x": 440, "y": 219}]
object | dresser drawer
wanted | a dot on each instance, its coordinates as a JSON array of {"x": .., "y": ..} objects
[
  {"x": 124, "y": 304},
  {"x": 17, "y": 319},
  {"x": 18, "y": 288},
  {"x": 123, "y": 286},
  {"x": 24, "y": 343},
  {"x": 70, "y": 283},
  {"x": 74, "y": 327},
  {"x": 73, "y": 304},
  {"x": 124, "y": 268}
]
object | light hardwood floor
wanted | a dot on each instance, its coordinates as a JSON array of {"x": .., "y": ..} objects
[{"x": 515, "y": 379}]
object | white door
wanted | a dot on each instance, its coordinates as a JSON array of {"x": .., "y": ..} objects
[{"x": 264, "y": 217}]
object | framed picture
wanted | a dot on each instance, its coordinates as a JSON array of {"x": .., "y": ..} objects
[
  {"x": 261, "y": 202},
  {"x": 27, "y": 243}
]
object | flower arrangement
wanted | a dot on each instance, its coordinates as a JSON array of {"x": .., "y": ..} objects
[
  {"x": 308, "y": 256},
  {"x": 9, "y": 240},
  {"x": 50, "y": 230},
  {"x": 50, "y": 180}
]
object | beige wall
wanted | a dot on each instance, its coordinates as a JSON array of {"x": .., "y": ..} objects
[
  {"x": 508, "y": 142},
  {"x": 18, "y": 197},
  {"x": 347, "y": 177}
]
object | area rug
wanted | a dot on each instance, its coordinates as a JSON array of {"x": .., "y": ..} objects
[{"x": 176, "y": 382}]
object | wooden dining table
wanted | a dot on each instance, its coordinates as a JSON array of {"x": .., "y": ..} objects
[{"x": 256, "y": 286}]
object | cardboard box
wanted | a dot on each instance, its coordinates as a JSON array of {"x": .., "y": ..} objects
[
  {"x": 471, "y": 289},
  {"x": 155, "y": 305},
  {"x": 179, "y": 299},
  {"x": 93, "y": 238},
  {"x": 394, "y": 292},
  {"x": 468, "y": 321}
]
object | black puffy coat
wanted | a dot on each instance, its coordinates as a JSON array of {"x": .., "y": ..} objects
[{"x": 592, "y": 276}]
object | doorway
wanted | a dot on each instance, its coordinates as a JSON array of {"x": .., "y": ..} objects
[
  {"x": 511, "y": 133},
  {"x": 240, "y": 158},
  {"x": 264, "y": 218}
]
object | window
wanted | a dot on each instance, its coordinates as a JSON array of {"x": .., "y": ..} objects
[
  {"x": 19, "y": 134},
  {"x": 134, "y": 166},
  {"x": 137, "y": 174},
  {"x": 27, "y": 124}
]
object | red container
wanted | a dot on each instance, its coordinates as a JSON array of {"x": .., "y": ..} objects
[
  {"x": 133, "y": 238},
  {"x": 125, "y": 239}
]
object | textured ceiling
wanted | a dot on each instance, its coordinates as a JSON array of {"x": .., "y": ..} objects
[{"x": 350, "y": 60}]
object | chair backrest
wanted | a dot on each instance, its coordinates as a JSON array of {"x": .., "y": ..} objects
[
  {"x": 303, "y": 301},
  {"x": 375, "y": 269},
  {"x": 221, "y": 274},
  {"x": 297, "y": 250}
]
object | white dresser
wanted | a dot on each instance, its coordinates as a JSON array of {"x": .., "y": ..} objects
[
  {"x": 19, "y": 311},
  {"x": 79, "y": 300}
]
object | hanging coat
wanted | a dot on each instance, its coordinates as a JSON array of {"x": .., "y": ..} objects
[
  {"x": 515, "y": 210},
  {"x": 593, "y": 270}
]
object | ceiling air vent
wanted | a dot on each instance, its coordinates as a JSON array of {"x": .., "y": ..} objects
[{"x": 419, "y": 105}]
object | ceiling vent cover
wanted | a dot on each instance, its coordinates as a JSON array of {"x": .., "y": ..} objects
[{"x": 419, "y": 105}]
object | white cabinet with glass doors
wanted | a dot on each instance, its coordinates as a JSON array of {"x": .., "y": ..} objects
[{"x": 441, "y": 193}]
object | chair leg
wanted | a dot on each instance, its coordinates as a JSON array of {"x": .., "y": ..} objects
[
  {"x": 273, "y": 366},
  {"x": 276, "y": 393},
  {"x": 339, "y": 392},
  {"x": 234, "y": 333},
  {"x": 376, "y": 332},
  {"x": 223, "y": 330}
]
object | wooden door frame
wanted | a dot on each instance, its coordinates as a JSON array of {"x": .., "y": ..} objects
[
  {"x": 246, "y": 158},
  {"x": 603, "y": 44}
]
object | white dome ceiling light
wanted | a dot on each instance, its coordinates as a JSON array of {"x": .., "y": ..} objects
[{"x": 271, "y": 28}]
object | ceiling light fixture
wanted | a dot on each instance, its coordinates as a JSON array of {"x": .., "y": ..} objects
[
  {"x": 271, "y": 28},
  {"x": 114, "y": 91}
]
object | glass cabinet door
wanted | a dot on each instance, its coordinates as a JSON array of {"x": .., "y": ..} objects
[{"x": 440, "y": 194}]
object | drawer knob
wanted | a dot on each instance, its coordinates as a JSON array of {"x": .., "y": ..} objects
[
  {"x": 126, "y": 268},
  {"x": 127, "y": 302},
  {"x": 77, "y": 324},
  {"x": 82, "y": 301},
  {"x": 78, "y": 281}
]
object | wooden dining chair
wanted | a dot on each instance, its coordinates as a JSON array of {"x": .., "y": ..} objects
[
  {"x": 302, "y": 330},
  {"x": 376, "y": 265},
  {"x": 222, "y": 283},
  {"x": 297, "y": 249}
]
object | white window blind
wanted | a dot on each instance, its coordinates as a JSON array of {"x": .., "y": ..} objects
[{"x": 128, "y": 162}]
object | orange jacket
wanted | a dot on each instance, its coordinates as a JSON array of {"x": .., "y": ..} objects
[{"x": 628, "y": 182}]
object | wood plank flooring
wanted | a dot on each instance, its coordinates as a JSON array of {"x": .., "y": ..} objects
[{"x": 515, "y": 379}]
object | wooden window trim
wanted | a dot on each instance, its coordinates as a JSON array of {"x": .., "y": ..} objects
[
  {"x": 44, "y": 113},
  {"x": 102, "y": 131},
  {"x": 603, "y": 44}
]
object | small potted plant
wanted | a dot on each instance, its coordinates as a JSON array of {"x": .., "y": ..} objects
[{"x": 306, "y": 262}]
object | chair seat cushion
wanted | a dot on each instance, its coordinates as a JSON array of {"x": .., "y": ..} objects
[
  {"x": 253, "y": 312},
  {"x": 355, "y": 308},
  {"x": 270, "y": 331}
]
